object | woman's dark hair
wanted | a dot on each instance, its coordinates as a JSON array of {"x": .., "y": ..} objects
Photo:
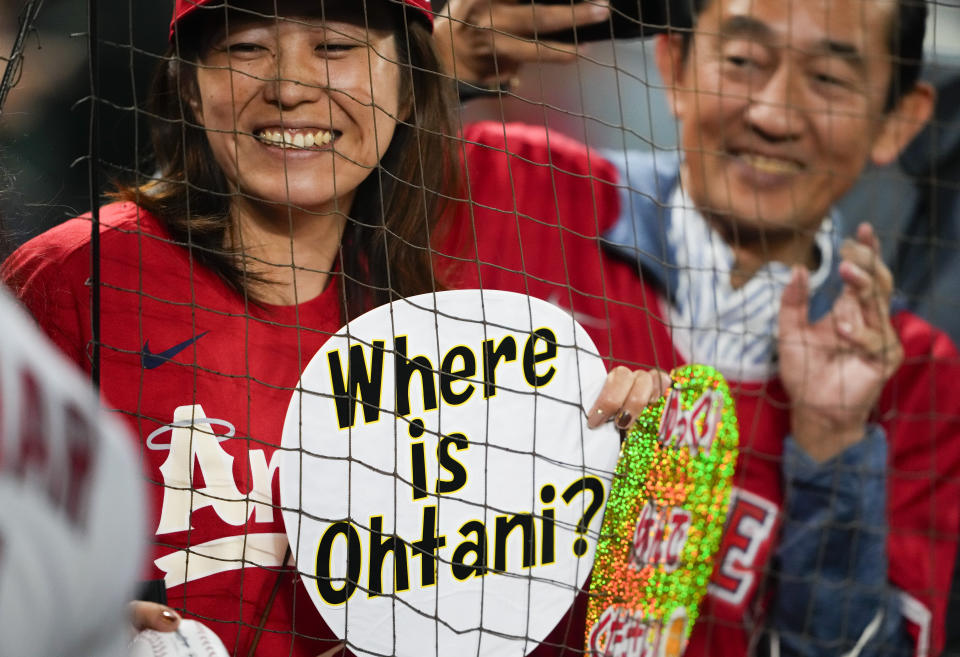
[
  {"x": 385, "y": 250},
  {"x": 905, "y": 41}
]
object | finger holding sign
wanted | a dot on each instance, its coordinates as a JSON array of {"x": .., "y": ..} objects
[{"x": 625, "y": 394}]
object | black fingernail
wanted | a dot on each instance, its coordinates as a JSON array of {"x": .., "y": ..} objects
[{"x": 624, "y": 420}]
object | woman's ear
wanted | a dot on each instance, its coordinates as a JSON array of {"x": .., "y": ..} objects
[
  {"x": 407, "y": 93},
  {"x": 406, "y": 109},
  {"x": 186, "y": 74},
  {"x": 902, "y": 123},
  {"x": 193, "y": 101}
]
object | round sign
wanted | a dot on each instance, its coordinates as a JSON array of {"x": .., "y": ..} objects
[{"x": 441, "y": 490}]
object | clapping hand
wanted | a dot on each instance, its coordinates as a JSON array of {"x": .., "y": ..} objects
[{"x": 834, "y": 369}]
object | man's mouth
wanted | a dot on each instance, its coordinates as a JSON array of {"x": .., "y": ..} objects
[
  {"x": 296, "y": 138},
  {"x": 766, "y": 164}
]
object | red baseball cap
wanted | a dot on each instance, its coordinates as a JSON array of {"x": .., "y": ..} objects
[{"x": 185, "y": 7}]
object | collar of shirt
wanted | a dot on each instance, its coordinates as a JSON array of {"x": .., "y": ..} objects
[
  {"x": 648, "y": 182},
  {"x": 732, "y": 329}
]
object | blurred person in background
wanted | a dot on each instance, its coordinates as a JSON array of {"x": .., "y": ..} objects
[{"x": 71, "y": 522}]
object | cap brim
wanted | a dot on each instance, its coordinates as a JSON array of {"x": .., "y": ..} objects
[{"x": 184, "y": 11}]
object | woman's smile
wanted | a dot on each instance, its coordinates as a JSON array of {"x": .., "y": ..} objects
[{"x": 297, "y": 138}]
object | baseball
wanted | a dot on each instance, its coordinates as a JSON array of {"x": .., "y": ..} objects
[{"x": 191, "y": 639}]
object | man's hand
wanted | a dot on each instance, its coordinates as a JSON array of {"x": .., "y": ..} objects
[
  {"x": 835, "y": 369},
  {"x": 484, "y": 42}
]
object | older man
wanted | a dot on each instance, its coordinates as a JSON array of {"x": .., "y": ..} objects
[{"x": 843, "y": 523}]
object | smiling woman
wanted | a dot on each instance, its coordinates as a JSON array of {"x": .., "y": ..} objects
[{"x": 280, "y": 124}]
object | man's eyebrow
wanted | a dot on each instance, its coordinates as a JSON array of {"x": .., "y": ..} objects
[
  {"x": 747, "y": 26},
  {"x": 842, "y": 49},
  {"x": 743, "y": 25}
]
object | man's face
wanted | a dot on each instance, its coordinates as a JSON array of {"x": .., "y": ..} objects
[{"x": 781, "y": 104}]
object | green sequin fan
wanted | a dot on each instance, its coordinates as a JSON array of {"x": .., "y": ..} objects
[{"x": 664, "y": 519}]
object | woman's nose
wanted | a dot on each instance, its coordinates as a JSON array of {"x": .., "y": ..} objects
[{"x": 299, "y": 76}]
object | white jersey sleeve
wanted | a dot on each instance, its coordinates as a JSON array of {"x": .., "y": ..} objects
[{"x": 71, "y": 504}]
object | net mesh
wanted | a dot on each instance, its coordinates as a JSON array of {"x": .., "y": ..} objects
[{"x": 196, "y": 347}]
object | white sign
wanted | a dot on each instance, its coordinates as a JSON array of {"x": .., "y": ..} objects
[{"x": 441, "y": 490}]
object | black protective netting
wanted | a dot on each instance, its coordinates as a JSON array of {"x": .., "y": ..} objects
[{"x": 299, "y": 163}]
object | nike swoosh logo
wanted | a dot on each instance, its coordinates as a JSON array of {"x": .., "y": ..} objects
[{"x": 150, "y": 360}]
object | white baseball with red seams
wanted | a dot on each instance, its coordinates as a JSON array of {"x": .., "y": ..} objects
[{"x": 191, "y": 639}]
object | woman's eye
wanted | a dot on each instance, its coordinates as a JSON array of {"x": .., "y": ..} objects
[
  {"x": 337, "y": 47},
  {"x": 243, "y": 47}
]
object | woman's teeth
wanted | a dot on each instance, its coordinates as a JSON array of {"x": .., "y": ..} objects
[{"x": 296, "y": 139}]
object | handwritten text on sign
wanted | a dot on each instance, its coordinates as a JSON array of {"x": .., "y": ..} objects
[{"x": 439, "y": 479}]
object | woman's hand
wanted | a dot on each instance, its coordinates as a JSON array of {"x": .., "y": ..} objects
[
  {"x": 625, "y": 394},
  {"x": 153, "y": 616}
]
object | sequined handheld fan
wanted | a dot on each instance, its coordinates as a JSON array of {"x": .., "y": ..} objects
[{"x": 664, "y": 520}]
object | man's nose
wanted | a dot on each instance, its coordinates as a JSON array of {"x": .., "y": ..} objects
[
  {"x": 773, "y": 110},
  {"x": 299, "y": 76}
]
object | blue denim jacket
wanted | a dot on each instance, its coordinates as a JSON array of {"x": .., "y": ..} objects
[{"x": 832, "y": 596}]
